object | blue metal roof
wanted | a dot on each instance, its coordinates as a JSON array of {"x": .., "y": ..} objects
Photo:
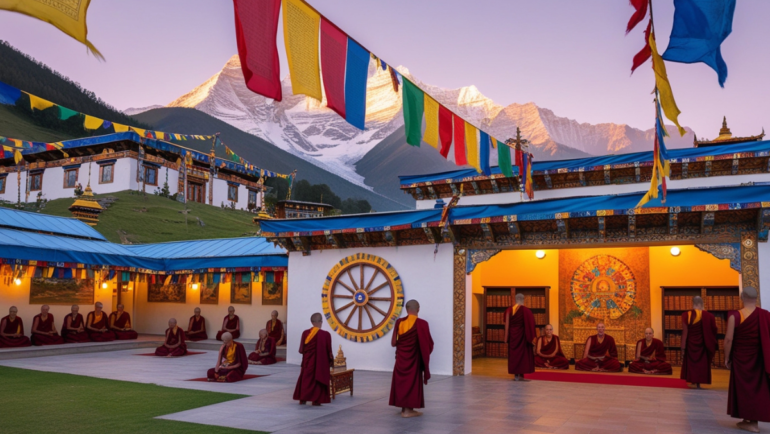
[
  {"x": 372, "y": 221},
  {"x": 35, "y": 222}
]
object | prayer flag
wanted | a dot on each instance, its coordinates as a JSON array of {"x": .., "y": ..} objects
[
  {"x": 269, "y": 277},
  {"x": 639, "y": 14},
  {"x": 431, "y": 121},
  {"x": 504, "y": 159},
  {"x": 300, "y": 33},
  {"x": 444, "y": 129},
  {"x": 459, "y": 127},
  {"x": 92, "y": 123},
  {"x": 529, "y": 186},
  {"x": 256, "y": 27},
  {"x": 334, "y": 44},
  {"x": 414, "y": 101},
  {"x": 484, "y": 144},
  {"x": 65, "y": 113},
  {"x": 667, "y": 101},
  {"x": 645, "y": 52},
  {"x": 356, "y": 74},
  {"x": 9, "y": 94},
  {"x": 138, "y": 131},
  {"x": 35, "y": 102},
  {"x": 472, "y": 146},
  {"x": 393, "y": 79}
]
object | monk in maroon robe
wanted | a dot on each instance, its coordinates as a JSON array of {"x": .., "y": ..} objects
[
  {"x": 548, "y": 353},
  {"x": 231, "y": 361},
  {"x": 264, "y": 353},
  {"x": 275, "y": 330},
  {"x": 601, "y": 354},
  {"x": 699, "y": 344},
  {"x": 174, "y": 345},
  {"x": 44, "y": 330},
  {"x": 120, "y": 324},
  {"x": 12, "y": 331},
  {"x": 196, "y": 328},
  {"x": 96, "y": 325},
  {"x": 747, "y": 356},
  {"x": 520, "y": 336},
  {"x": 650, "y": 356},
  {"x": 315, "y": 345},
  {"x": 74, "y": 328},
  {"x": 231, "y": 324},
  {"x": 414, "y": 344}
]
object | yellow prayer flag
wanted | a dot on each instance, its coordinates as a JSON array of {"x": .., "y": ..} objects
[
  {"x": 38, "y": 103},
  {"x": 431, "y": 121},
  {"x": 138, "y": 131},
  {"x": 92, "y": 123},
  {"x": 60, "y": 146},
  {"x": 494, "y": 142},
  {"x": 120, "y": 128},
  {"x": 472, "y": 147},
  {"x": 667, "y": 102},
  {"x": 159, "y": 135},
  {"x": 300, "y": 33}
]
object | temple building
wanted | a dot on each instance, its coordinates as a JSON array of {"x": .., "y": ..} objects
[
  {"x": 292, "y": 209},
  {"x": 726, "y": 137}
]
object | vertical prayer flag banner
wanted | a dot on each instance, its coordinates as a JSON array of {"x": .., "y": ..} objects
[
  {"x": 484, "y": 144},
  {"x": 459, "y": 129},
  {"x": 444, "y": 130},
  {"x": 414, "y": 101},
  {"x": 256, "y": 27},
  {"x": 472, "y": 146},
  {"x": 300, "y": 32},
  {"x": 431, "y": 122},
  {"x": 645, "y": 52},
  {"x": 504, "y": 159},
  {"x": 356, "y": 74},
  {"x": 334, "y": 47},
  {"x": 393, "y": 79},
  {"x": 667, "y": 101}
]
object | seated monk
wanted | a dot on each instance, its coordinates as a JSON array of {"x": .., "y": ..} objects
[
  {"x": 174, "y": 345},
  {"x": 96, "y": 325},
  {"x": 650, "y": 356},
  {"x": 315, "y": 345},
  {"x": 74, "y": 328},
  {"x": 231, "y": 324},
  {"x": 196, "y": 328},
  {"x": 231, "y": 361},
  {"x": 12, "y": 331},
  {"x": 264, "y": 353},
  {"x": 44, "y": 330},
  {"x": 120, "y": 324},
  {"x": 548, "y": 352},
  {"x": 275, "y": 330},
  {"x": 601, "y": 354}
]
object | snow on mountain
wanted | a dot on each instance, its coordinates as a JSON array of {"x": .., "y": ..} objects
[{"x": 136, "y": 110}]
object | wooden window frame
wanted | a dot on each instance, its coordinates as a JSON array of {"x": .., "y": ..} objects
[
  {"x": 77, "y": 173},
  {"x": 235, "y": 188},
  {"x": 146, "y": 170},
  {"x": 32, "y": 177},
  {"x": 101, "y": 173}
]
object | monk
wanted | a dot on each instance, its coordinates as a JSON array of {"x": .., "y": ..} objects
[
  {"x": 699, "y": 344},
  {"x": 315, "y": 345},
  {"x": 174, "y": 345},
  {"x": 275, "y": 330},
  {"x": 44, "y": 330},
  {"x": 231, "y": 361},
  {"x": 196, "y": 328},
  {"x": 12, "y": 331},
  {"x": 231, "y": 324},
  {"x": 74, "y": 328},
  {"x": 650, "y": 356},
  {"x": 520, "y": 336},
  {"x": 264, "y": 353},
  {"x": 414, "y": 344},
  {"x": 601, "y": 354},
  {"x": 120, "y": 324},
  {"x": 96, "y": 325},
  {"x": 548, "y": 353},
  {"x": 747, "y": 356}
]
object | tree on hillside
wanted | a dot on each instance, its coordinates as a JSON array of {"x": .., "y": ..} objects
[{"x": 355, "y": 206}]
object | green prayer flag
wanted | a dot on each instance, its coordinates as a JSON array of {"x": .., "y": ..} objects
[
  {"x": 65, "y": 113},
  {"x": 414, "y": 102},
  {"x": 504, "y": 159}
]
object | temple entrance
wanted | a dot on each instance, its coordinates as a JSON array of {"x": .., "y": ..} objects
[{"x": 196, "y": 192}]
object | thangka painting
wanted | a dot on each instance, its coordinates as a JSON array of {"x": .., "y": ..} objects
[
  {"x": 209, "y": 293},
  {"x": 240, "y": 292},
  {"x": 171, "y": 293},
  {"x": 50, "y": 290},
  {"x": 272, "y": 294}
]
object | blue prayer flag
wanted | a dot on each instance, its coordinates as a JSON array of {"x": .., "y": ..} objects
[
  {"x": 484, "y": 145},
  {"x": 8, "y": 94},
  {"x": 356, "y": 74}
]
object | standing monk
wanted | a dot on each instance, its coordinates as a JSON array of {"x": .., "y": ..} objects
[
  {"x": 601, "y": 354},
  {"x": 231, "y": 324},
  {"x": 196, "y": 328},
  {"x": 650, "y": 356},
  {"x": 231, "y": 361},
  {"x": 411, "y": 337},
  {"x": 548, "y": 353},
  {"x": 264, "y": 353},
  {"x": 44, "y": 330},
  {"x": 747, "y": 356},
  {"x": 74, "y": 330},
  {"x": 96, "y": 325},
  {"x": 520, "y": 336},
  {"x": 120, "y": 324},
  {"x": 12, "y": 331},
  {"x": 316, "y": 349},
  {"x": 174, "y": 345},
  {"x": 699, "y": 343},
  {"x": 275, "y": 330}
]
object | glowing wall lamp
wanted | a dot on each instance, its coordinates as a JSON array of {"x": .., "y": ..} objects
[
  {"x": 17, "y": 281},
  {"x": 675, "y": 251},
  {"x": 104, "y": 285},
  {"x": 195, "y": 286},
  {"x": 540, "y": 254}
]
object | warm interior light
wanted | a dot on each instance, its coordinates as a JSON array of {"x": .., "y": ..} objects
[
  {"x": 104, "y": 285},
  {"x": 195, "y": 286},
  {"x": 540, "y": 254},
  {"x": 675, "y": 251},
  {"x": 17, "y": 281}
]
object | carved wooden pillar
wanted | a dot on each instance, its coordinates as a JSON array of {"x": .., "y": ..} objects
[
  {"x": 458, "y": 333},
  {"x": 750, "y": 261}
]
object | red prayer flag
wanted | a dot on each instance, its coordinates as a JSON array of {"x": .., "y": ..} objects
[
  {"x": 646, "y": 52},
  {"x": 459, "y": 125},
  {"x": 519, "y": 162},
  {"x": 393, "y": 78},
  {"x": 334, "y": 46},
  {"x": 639, "y": 14},
  {"x": 444, "y": 130},
  {"x": 256, "y": 24}
]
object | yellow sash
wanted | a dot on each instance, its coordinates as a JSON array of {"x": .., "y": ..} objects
[
  {"x": 406, "y": 324},
  {"x": 698, "y": 316},
  {"x": 311, "y": 335},
  {"x": 514, "y": 309},
  {"x": 230, "y": 357},
  {"x": 174, "y": 330},
  {"x": 97, "y": 318},
  {"x": 272, "y": 325},
  {"x": 742, "y": 318}
]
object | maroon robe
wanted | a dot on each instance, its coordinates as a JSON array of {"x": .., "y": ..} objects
[
  {"x": 558, "y": 361},
  {"x": 230, "y": 324},
  {"x": 45, "y": 326},
  {"x": 607, "y": 349},
  {"x": 521, "y": 335},
  {"x": 71, "y": 336},
  {"x": 749, "y": 393},
  {"x": 123, "y": 322},
  {"x": 314, "y": 377},
  {"x": 657, "y": 350},
  {"x": 192, "y": 329},
  {"x": 234, "y": 374},
  {"x": 267, "y": 345},
  {"x": 412, "y": 368},
  {"x": 700, "y": 347},
  {"x": 173, "y": 339},
  {"x": 102, "y": 323},
  {"x": 13, "y": 327},
  {"x": 275, "y": 331}
]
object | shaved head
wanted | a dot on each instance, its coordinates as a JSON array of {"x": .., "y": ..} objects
[
  {"x": 316, "y": 319},
  {"x": 230, "y": 309},
  {"x": 13, "y": 310},
  {"x": 649, "y": 333},
  {"x": 600, "y": 329},
  {"x": 44, "y": 308},
  {"x": 227, "y": 337},
  {"x": 548, "y": 330},
  {"x": 520, "y": 299},
  {"x": 197, "y": 311},
  {"x": 172, "y": 322},
  {"x": 262, "y": 334},
  {"x": 697, "y": 302},
  {"x": 749, "y": 294},
  {"x": 75, "y": 308},
  {"x": 121, "y": 307},
  {"x": 412, "y": 307}
]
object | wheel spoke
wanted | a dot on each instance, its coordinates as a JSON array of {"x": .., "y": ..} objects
[
  {"x": 379, "y": 298},
  {"x": 362, "y": 276},
  {"x": 346, "y": 286},
  {"x": 360, "y": 318},
  {"x": 377, "y": 288},
  {"x": 378, "y": 310},
  {"x": 352, "y": 280},
  {"x": 369, "y": 285},
  {"x": 344, "y": 307},
  {"x": 368, "y": 312},
  {"x": 342, "y": 296},
  {"x": 351, "y": 315}
]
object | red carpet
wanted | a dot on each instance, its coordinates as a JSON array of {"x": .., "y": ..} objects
[
  {"x": 617, "y": 379},
  {"x": 245, "y": 377},
  {"x": 189, "y": 353}
]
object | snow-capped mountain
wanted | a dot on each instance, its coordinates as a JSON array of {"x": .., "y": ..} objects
[{"x": 136, "y": 110}]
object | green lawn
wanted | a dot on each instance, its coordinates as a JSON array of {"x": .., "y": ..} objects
[{"x": 42, "y": 402}]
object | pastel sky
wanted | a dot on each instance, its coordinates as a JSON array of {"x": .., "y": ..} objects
[{"x": 566, "y": 55}]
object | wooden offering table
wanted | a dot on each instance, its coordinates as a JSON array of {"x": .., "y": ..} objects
[{"x": 341, "y": 381}]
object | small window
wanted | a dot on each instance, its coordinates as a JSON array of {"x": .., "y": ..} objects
[
  {"x": 106, "y": 173},
  {"x": 150, "y": 175},
  {"x": 252, "y": 197},
  {"x": 70, "y": 178},
  {"x": 36, "y": 182},
  {"x": 2, "y": 185},
  {"x": 232, "y": 193}
]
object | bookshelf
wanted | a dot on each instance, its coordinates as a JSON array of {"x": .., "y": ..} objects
[{"x": 496, "y": 301}]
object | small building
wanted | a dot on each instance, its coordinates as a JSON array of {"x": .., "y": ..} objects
[
  {"x": 726, "y": 137},
  {"x": 296, "y": 209},
  {"x": 86, "y": 209}
]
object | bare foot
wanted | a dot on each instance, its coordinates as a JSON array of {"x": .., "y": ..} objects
[
  {"x": 748, "y": 426},
  {"x": 411, "y": 413}
]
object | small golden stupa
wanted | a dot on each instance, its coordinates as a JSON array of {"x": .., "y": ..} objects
[
  {"x": 86, "y": 208},
  {"x": 340, "y": 361}
]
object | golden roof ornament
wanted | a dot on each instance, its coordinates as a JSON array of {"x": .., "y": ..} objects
[
  {"x": 86, "y": 208},
  {"x": 726, "y": 137},
  {"x": 340, "y": 360}
]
